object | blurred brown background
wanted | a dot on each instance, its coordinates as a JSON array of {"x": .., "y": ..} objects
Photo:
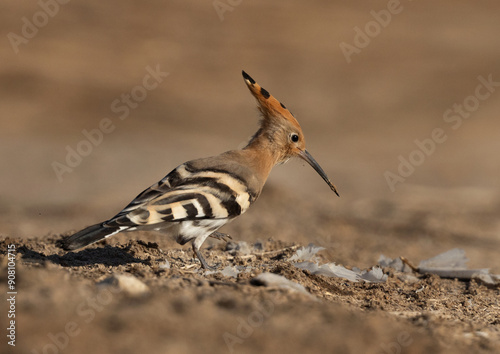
[{"x": 358, "y": 117}]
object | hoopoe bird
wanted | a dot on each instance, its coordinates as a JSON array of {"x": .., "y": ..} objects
[{"x": 198, "y": 197}]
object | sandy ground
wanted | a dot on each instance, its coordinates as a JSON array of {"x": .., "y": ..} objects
[{"x": 413, "y": 100}]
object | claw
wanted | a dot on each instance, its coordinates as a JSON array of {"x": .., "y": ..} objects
[
  {"x": 221, "y": 236},
  {"x": 203, "y": 262}
]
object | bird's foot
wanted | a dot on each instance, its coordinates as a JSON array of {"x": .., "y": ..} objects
[
  {"x": 221, "y": 236},
  {"x": 203, "y": 262}
]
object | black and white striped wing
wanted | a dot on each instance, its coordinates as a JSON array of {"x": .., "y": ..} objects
[
  {"x": 158, "y": 189},
  {"x": 187, "y": 194}
]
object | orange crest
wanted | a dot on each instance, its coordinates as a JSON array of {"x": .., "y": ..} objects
[{"x": 269, "y": 106}]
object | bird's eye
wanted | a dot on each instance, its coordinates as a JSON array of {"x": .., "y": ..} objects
[{"x": 294, "y": 138}]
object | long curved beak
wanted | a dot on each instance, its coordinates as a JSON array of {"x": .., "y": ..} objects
[{"x": 311, "y": 161}]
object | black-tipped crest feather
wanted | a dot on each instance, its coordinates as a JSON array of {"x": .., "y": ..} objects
[{"x": 247, "y": 77}]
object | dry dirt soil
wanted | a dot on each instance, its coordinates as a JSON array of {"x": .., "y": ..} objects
[{"x": 418, "y": 76}]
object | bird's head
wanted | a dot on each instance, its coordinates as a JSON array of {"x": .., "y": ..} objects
[{"x": 280, "y": 128}]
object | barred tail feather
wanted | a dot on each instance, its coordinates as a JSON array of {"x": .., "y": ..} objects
[{"x": 89, "y": 235}]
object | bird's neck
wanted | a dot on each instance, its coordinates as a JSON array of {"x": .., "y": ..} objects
[{"x": 264, "y": 152}]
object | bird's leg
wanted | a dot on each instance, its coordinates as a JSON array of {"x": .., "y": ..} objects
[
  {"x": 220, "y": 236},
  {"x": 204, "y": 263}
]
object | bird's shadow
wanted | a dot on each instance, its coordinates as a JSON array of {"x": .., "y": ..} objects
[{"x": 107, "y": 255}]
